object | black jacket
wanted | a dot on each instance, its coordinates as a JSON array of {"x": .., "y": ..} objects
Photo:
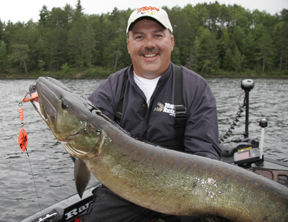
[{"x": 156, "y": 123}]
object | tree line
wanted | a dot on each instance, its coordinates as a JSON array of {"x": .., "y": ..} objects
[{"x": 209, "y": 38}]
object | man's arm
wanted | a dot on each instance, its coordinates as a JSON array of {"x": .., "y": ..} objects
[
  {"x": 102, "y": 98},
  {"x": 201, "y": 133}
]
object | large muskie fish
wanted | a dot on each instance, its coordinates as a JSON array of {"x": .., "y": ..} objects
[{"x": 150, "y": 176}]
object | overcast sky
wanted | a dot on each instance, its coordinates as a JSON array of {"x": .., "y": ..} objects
[{"x": 23, "y": 11}]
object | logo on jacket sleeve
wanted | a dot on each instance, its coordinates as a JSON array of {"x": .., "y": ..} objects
[{"x": 167, "y": 108}]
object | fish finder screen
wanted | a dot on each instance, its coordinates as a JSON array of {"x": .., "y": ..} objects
[{"x": 243, "y": 155}]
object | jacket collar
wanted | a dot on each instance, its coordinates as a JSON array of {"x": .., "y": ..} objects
[{"x": 165, "y": 76}]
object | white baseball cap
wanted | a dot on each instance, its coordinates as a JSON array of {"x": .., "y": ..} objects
[{"x": 156, "y": 13}]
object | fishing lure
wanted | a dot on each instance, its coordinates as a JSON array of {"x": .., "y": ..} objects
[{"x": 22, "y": 136}]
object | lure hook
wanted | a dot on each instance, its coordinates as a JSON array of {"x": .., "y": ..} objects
[{"x": 20, "y": 104}]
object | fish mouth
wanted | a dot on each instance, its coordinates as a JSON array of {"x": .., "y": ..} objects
[
  {"x": 35, "y": 101},
  {"x": 71, "y": 137},
  {"x": 43, "y": 102}
]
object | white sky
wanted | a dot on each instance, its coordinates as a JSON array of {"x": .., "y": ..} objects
[{"x": 23, "y": 11}]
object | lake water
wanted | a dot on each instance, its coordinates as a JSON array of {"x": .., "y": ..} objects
[{"x": 53, "y": 169}]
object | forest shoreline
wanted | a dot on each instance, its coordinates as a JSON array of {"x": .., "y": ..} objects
[{"x": 88, "y": 74}]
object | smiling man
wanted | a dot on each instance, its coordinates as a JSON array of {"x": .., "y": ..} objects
[
  {"x": 150, "y": 46},
  {"x": 157, "y": 101}
]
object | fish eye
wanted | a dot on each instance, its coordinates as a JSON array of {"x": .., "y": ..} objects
[{"x": 65, "y": 104}]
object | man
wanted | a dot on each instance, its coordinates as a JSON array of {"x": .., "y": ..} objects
[{"x": 148, "y": 111}]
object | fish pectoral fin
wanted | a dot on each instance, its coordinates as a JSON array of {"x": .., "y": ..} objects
[{"x": 81, "y": 175}]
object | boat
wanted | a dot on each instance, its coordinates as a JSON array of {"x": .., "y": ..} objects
[
  {"x": 242, "y": 151},
  {"x": 247, "y": 152}
]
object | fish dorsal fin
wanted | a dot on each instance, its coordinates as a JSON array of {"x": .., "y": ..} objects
[{"x": 81, "y": 175}]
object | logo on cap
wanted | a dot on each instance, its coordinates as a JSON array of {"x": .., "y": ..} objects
[{"x": 148, "y": 9}]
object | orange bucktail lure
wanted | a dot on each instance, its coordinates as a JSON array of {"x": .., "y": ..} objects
[{"x": 22, "y": 136}]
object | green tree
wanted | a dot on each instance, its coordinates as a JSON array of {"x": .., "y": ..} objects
[
  {"x": 236, "y": 36},
  {"x": 208, "y": 58},
  {"x": 89, "y": 43},
  {"x": 20, "y": 55},
  {"x": 2, "y": 28},
  {"x": 226, "y": 44},
  {"x": 227, "y": 61},
  {"x": 118, "y": 41},
  {"x": 115, "y": 54},
  {"x": 76, "y": 35},
  {"x": 241, "y": 18},
  {"x": 237, "y": 59},
  {"x": 103, "y": 33},
  {"x": 54, "y": 37},
  {"x": 249, "y": 51},
  {"x": 225, "y": 19},
  {"x": 281, "y": 39},
  {"x": 44, "y": 16},
  {"x": 3, "y": 56},
  {"x": 266, "y": 51},
  {"x": 184, "y": 29},
  {"x": 214, "y": 13},
  {"x": 175, "y": 57},
  {"x": 202, "y": 14},
  {"x": 192, "y": 61}
]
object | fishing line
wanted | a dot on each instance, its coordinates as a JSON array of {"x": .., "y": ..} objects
[
  {"x": 34, "y": 182},
  {"x": 23, "y": 140}
]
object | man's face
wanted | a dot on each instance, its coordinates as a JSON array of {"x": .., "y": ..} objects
[{"x": 150, "y": 46}]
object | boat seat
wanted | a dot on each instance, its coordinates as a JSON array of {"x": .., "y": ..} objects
[{"x": 280, "y": 176}]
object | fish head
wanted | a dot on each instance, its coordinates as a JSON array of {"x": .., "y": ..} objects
[{"x": 68, "y": 116}]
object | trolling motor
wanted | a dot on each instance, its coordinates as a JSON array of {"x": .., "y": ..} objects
[
  {"x": 247, "y": 85},
  {"x": 246, "y": 151}
]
